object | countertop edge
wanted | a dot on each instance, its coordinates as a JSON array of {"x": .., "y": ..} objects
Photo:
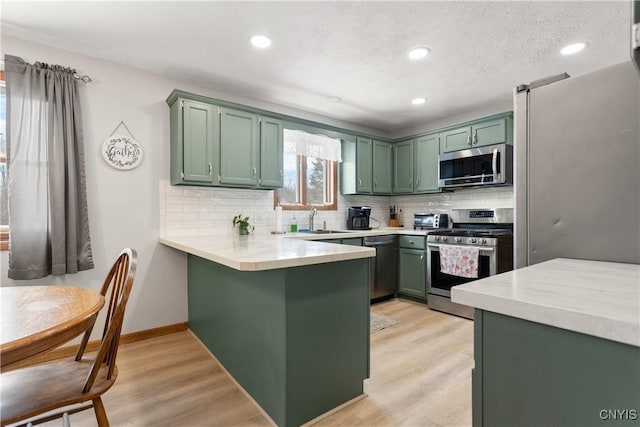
[
  {"x": 589, "y": 324},
  {"x": 355, "y": 252}
]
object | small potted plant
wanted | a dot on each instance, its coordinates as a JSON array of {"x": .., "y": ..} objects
[{"x": 244, "y": 227}]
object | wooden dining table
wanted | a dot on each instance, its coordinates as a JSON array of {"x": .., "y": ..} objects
[{"x": 34, "y": 319}]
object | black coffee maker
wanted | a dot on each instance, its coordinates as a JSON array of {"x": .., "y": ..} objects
[{"x": 358, "y": 218}]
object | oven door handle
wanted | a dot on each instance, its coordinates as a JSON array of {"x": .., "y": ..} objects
[{"x": 437, "y": 246}]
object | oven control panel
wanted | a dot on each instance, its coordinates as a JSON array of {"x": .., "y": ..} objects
[{"x": 459, "y": 240}]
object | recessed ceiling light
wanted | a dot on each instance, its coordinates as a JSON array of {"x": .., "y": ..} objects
[
  {"x": 573, "y": 48},
  {"x": 334, "y": 99},
  {"x": 261, "y": 41},
  {"x": 418, "y": 101},
  {"x": 419, "y": 53}
]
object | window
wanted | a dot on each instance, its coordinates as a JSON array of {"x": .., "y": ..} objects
[{"x": 310, "y": 172}]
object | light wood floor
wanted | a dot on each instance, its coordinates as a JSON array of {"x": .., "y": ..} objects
[{"x": 420, "y": 376}]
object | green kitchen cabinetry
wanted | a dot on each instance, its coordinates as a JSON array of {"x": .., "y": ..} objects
[
  {"x": 364, "y": 160},
  {"x": 271, "y": 152},
  {"x": 215, "y": 146},
  {"x": 366, "y": 166},
  {"x": 415, "y": 165},
  {"x": 403, "y": 165},
  {"x": 427, "y": 149},
  {"x": 239, "y": 148},
  {"x": 478, "y": 134},
  {"x": 382, "y": 165},
  {"x": 296, "y": 339},
  {"x": 412, "y": 267},
  {"x": 195, "y": 142},
  {"x": 531, "y": 374}
]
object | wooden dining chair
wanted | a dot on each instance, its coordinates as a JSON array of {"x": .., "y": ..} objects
[{"x": 34, "y": 390}]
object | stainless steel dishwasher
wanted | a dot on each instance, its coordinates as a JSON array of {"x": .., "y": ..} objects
[{"x": 383, "y": 277}]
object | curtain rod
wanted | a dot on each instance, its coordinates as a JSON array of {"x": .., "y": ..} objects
[{"x": 83, "y": 78}]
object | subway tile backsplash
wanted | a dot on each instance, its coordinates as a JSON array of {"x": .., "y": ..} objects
[{"x": 200, "y": 211}]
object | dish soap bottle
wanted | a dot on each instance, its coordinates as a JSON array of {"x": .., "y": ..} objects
[{"x": 294, "y": 225}]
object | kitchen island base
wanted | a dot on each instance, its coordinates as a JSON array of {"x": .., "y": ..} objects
[
  {"x": 296, "y": 339},
  {"x": 530, "y": 374}
]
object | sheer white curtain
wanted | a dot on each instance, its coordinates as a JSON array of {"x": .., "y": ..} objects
[
  {"x": 311, "y": 145},
  {"x": 48, "y": 214}
]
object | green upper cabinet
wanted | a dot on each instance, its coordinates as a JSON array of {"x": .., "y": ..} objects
[
  {"x": 195, "y": 131},
  {"x": 427, "y": 149},
  {"x": 456, "y": 139},
  {"x": 364, "y": 158},
  {"x": 271, "y": 145},
  {"x": 403, "y": 162},
  {"x": 487, "y": 132},
  {"x": 382, "y": 165},
  {"x": 239, "y": 148},
  {"x": 491, "y": 132}
]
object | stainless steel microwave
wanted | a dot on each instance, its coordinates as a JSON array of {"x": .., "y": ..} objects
[{"x": 482, "y": 166}]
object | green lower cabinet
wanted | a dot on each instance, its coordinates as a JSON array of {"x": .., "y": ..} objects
[
  {"x": 530, "y": 374},
  {"x": 412, "y": 273},
  {"x": 296, "y": 339},
  {"x": 353, "y": 241}
]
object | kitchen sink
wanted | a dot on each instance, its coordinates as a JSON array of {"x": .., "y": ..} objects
[{"x": 325, "y": 232}]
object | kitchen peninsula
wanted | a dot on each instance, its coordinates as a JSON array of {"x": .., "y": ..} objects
[
  {"x": 288, "y": 318},
  {"x": 556, "y": 343}
]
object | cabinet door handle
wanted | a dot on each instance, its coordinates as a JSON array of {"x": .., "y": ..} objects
[
  {"x": 375, "y": 183},
  {"x": 359, "y": 181},
  {"x": 411, "y": 241},
  {"x": 421, "y": 257},
  {"x": 280, "y": 173},
  {"x": 254, "y": 172},
  {"x": 475, "y": 138},
  {"x": 210, "y": 169},
  {"x": 410, "y": 182},
  {"x": 469, "y": 140},
  {"x": 418, "y": 181}
]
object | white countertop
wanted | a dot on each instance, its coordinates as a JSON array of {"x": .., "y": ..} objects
[
  {"x": 266, "y": 252},
  {"x": 591, "y": 297}
]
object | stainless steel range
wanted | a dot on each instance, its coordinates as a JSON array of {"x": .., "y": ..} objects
[{"x": 483, "y": 234}]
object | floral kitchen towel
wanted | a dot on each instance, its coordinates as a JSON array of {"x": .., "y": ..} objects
[{"x": 459, "y": 260}]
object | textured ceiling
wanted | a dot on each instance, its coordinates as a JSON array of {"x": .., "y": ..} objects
[{"x": 354, "y": 50}]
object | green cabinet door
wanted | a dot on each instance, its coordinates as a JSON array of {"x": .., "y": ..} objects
[
  {"x": 239, "y": 148},
  {"x": 381, "y": 167},
  {"x": 456, "y": 139},
  {"x": 491, "y": 132},
  {"x": 403, "y": 167},
  {"x": 271, "y": 143},
  {"x": 412, "y": 273},
  {"x": 364, "y": 174},
  {"x": 427, "y": 149},
  {"x": 199, "y": 142}
]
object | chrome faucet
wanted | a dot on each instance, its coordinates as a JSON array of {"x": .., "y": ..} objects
[{"x": 312, "y": 214}]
